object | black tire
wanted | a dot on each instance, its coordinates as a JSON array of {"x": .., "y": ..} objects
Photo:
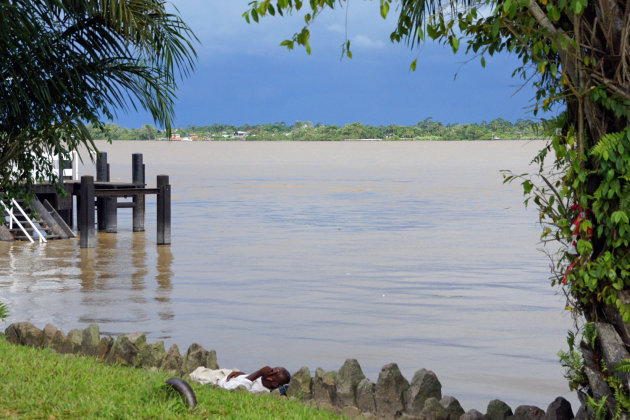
[{"x": 184, "y": 389}]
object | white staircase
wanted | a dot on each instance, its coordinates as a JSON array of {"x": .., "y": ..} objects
[{"x": 32, "y": 221}]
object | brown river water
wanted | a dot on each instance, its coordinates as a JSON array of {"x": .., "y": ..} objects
[{"x": 308, "y": 253}]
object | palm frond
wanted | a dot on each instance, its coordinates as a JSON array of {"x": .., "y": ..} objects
[{"x": 414, "y": 15}]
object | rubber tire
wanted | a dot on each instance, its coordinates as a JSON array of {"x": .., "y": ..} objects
[{"x": 184, "y": 389}]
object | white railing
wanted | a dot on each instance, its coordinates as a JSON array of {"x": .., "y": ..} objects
[
  {"x": 71, "y": 172},
  {"x": 12, "y": 219}
]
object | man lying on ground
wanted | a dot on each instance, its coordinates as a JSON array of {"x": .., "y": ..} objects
[{"x": 264, "y": 379}]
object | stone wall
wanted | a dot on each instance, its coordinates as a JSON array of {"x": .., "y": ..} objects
[
  {"x": 346, "y": 391},
  {"x": 126, "y": 349}
]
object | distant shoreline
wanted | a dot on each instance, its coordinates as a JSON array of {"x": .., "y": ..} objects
[
  {"x": 331, "y": 141},
  {"x": 427, "y": 129}
]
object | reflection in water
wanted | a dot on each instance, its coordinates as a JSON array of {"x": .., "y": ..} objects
[
  {"x": 139, "y": 260},
  {"x": 106, "y": 264},
  {"x": 70, "y": 287},
  {"x": 114, "y": 282},
  {"x": 163, "y": 277},
  {"x": 87, "y": 265},
  {"x": 165, "y": 260}
]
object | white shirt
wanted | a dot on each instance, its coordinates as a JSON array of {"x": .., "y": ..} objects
[
  {"x": 241, "y": 380},
  {"x": 218, "y": 377}
]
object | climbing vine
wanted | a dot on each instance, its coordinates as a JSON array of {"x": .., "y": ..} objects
[{"x": 585, "y": 210}]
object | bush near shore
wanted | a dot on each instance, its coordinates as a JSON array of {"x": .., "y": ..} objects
[{"x": 41, "y": 384}]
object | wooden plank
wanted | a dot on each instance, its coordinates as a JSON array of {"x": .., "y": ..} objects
[
  {"x": 75, "y": 187},
  {"x": 124, "y": 192},
  {"x": 62, "y": 223},
  {"x": 45, "y": 215}
]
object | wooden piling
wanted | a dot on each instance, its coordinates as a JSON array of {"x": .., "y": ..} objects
[
  {"x": 87, "y": 238},
  {"x": 163, "y": 210},
  {"x": 137, "y": 176},
  {"x": 101, "y": 203},
  {"x": 111, "y": 211},
  {"x": 111, "y": 215},
  {"x": 79, "y": 212}
]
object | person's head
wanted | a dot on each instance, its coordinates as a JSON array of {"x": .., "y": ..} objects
[{"x": 279, "y": 376}]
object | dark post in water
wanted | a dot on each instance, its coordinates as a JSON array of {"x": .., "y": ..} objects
[
  {"x": 101, "y": 202},
  {"x": 137, "y": 176},
  {"x": 87, "y": 237},
  {"x": 111, "y": 211},
  {"x": 163, "y": 210},
  {"x": 106, "y": 207}
]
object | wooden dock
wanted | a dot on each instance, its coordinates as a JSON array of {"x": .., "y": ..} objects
[{"x": 100, "y": 198}]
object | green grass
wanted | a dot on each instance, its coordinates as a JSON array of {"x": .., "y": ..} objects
[{"x": 40, "y": 384}]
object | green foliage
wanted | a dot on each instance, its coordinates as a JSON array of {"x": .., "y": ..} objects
[
  {"x": 589, "y": 335},
  {"x": 147, "y": 132},
  {"x": 573, "y": 364},
  {"x": 620, "y": 403},
  {"x": 623, "y": 366},
  {"x": 69, "y": 63},
  {"x": 601, "y": 267},
  {"x": 598, "y": 407},
  {"x": 603, "y": 272}
]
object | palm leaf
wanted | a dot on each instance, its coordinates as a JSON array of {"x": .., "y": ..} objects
[{"x": 414, "y": 15}]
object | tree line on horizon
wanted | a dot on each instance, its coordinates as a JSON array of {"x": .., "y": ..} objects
[{"x": 427, "y": 129}]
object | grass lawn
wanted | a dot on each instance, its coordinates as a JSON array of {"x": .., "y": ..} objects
[{"x": 40, "y": 384}]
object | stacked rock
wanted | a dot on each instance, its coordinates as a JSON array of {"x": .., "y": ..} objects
[
  {"x": 350, "y": 393},
  {"x": 127, "y": 349}
]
